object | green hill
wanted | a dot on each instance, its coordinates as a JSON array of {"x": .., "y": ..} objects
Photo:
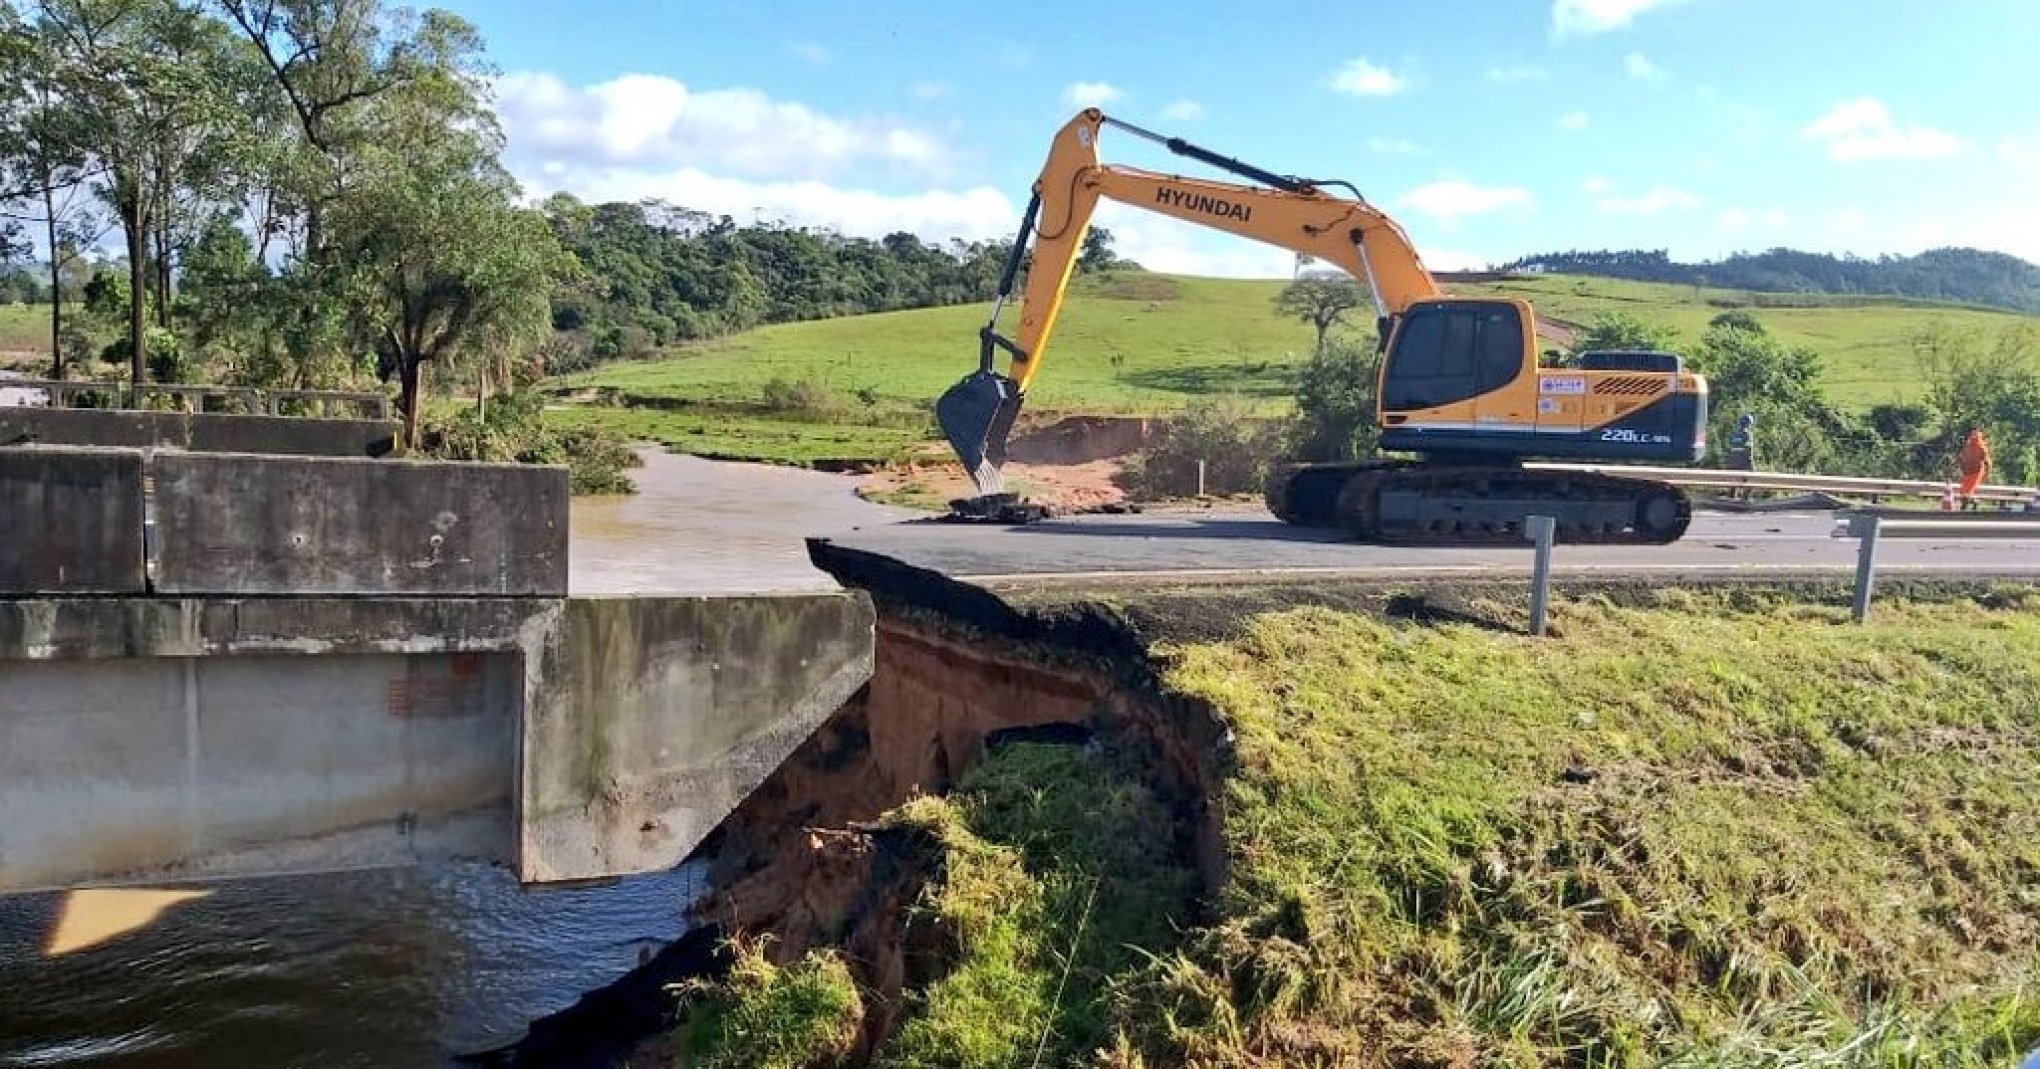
[{"x": 1141, "y": 343}]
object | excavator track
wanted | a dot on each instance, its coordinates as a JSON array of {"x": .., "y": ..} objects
[{"x": 1433, "y": 504}]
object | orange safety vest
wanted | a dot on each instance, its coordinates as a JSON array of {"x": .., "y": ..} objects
[{"x": 1975, "y": 454}]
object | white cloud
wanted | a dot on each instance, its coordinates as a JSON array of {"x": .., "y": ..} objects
[
  {"x": 813, "y": 52},
  {"x": 1183, "y": 111},
  {"x": 1639, "y": 66},
  {"x": 1090, "y": 94},
  {"x": 1453, "y": 198},
  {"x": 650, "y": 121},
  {"x": 1573, "y": 121},
  {"x": 1362, "y": 78},
  {"x": 1571, "y": 18},
  {"x": 1521, "y": 72},
  {"x": 1394, "y": 146},
  {"x": 1862, "y": 129},
  {"x": 976, "y": 213},
  {"x": 1596, "y": 184}
]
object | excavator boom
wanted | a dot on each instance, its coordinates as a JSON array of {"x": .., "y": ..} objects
[{"x": 977, "y": 414}]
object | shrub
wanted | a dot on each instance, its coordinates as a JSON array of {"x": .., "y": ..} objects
[
  {"x": 512, "y": 430},
  {"x": 808, "y": 396},
  {"x": 1235, "y": 446}
]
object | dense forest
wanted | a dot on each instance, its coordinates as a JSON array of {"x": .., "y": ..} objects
[
  {"x": 1967, "y": 276},
  {"x": 658, "y": 274}
]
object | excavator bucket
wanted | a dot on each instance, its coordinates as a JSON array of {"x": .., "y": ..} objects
[{"x": 976, "y": 415}]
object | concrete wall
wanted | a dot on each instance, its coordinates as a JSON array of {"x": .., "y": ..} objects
[
  {"x": 71, "y": 521},
  {"x": 243, "y": 524},
  {"x": 204, "y": 432},
  {"x": 668, "y": 712},
  {"x": 159, "y": 739},
  {"x": 195, "y": 766}
]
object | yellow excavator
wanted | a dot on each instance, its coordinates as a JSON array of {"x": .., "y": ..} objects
[{"x": 1460, "y": 384}]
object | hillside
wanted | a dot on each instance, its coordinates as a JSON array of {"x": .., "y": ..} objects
[
  {"x": 1143, "y": 344},
  {"x": 1964, "y": 275}
]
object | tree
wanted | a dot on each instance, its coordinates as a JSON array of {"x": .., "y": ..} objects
[
  {"x": 140, "y": 74},
  {"x": 1097, "y": 254},
  {"x": 438, "y": 258},
  {"x": 1620, "y": 330},
  {"x": 1322, "y": 300},
  {"x": 333, "y": 67},
  {"x": 1335, "y": 403},
  {"x": 44, "y": 172},
  {"x": 1738, "y": 319}
]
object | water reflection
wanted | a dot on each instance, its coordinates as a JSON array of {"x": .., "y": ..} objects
[{"x": 393, "y": 968}]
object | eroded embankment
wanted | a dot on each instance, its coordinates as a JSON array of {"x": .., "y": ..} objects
[{"x": 1347, "y": 825}]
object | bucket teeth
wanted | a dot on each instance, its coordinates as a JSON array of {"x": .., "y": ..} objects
[{"x": 976, "y": 415}]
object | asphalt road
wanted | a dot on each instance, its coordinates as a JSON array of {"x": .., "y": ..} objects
[{"x": 1196, "y": 544}]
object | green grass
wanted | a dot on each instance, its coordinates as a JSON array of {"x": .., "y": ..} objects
[
  {"x": 1715, "y": 830},
  {"x": 1149, "y": 344},
  {"x": 764, "y": 1016},
  {"x": 24, "y": 328},
  {"x": 720, "y": 433}
]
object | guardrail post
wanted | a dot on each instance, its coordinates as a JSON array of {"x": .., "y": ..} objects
[
  {"x": 1865, "y": 529},
  {"x": 1540, "y": 530}
]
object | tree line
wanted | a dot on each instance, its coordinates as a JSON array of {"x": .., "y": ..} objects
[
  {"x": 658, "y": 274},
  {"x": 1968, "y": 276}
]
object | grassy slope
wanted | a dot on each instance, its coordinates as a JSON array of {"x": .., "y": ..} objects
[
  {"x": 1175, "y": 339},
  {"x": 1795, "y": 834},
  {"x": 24, "y": 328},
  {"x": 1716, "y": 830}
]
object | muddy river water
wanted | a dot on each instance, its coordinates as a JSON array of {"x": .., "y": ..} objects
[{"x": 404, "y": 967}]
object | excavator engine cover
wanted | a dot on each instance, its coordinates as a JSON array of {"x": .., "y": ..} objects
[{"x": 976, "y": 415}]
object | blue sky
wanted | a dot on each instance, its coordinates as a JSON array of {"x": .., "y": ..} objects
[{"x": 1491, "y": 129}]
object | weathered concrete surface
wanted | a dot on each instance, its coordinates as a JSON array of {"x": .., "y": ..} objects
[
  {"x": 246, "y": 524},
  {"x": 71, "y": 521},
  {"x": 203, "y": 432},
  {"x": 159, "y": 739},
  {"x": 188, "y": 767},
  {"x": 670, "y": 712}
]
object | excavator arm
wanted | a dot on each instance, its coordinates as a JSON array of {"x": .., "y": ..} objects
[{"x": 1291, "y": 213}]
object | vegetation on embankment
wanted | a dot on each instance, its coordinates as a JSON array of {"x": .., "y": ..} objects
[{"x": 1687, "y": 829}]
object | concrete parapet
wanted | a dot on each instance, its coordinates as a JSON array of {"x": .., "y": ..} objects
[
  {"x": 246, "y": 524},
  {"x": 71, "y": 521},
  {"x": 204, "y": 432}
]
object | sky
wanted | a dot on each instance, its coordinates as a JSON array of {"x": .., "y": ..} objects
[{"x": 1490, "y": 128}]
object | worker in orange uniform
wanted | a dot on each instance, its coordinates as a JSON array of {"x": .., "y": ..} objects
[{"x": 1975, "y": 466}]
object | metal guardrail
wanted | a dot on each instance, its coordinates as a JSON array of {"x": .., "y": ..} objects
[
  {"x": 1871, "y": 527},
  {"x": 1841, "y": 485},
  {"x": 61, "y": 393}
]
